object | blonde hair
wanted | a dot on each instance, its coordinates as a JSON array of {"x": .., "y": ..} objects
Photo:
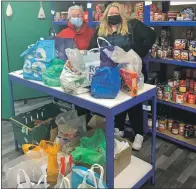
[{"x": 104, "y": 29}]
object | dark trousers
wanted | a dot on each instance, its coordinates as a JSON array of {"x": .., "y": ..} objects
[{"x": 135, "y": 117}]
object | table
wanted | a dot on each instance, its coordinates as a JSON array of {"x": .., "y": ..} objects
[{"x": 138, "y": 172}]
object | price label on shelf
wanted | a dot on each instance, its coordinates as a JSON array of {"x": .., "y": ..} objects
[
  {"x": 89, "y": 5},
  {"x": 146, "y": 107}
]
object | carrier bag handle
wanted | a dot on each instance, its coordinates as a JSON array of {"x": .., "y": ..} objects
[
  {"x": 92, "y": 50},
  {"x": 42, "y": 178},
  {"x": 65, "y": 182},
  {"x": 89, "y": 172},
  {"x": 101, "y": 172},
  {"x": 103, "y": 39},
  {"x": 27, "y": 179}
]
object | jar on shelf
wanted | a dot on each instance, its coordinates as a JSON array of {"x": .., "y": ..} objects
[
  {"x": 169, "y": 124},
  {"x": 175, "y": 128},
  {"x": 162, "y": 124},
  {"x": 181, "y": 128},
  {"x": 187, "y": 131}
]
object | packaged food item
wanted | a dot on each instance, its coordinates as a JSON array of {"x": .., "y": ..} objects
[
  {"x": 57, "y": 16},
  {"x": 182, "y": 82},
  {"x": 179, "y": 98},
  {"x": 180, "y": 44},
  {"x": 174, "y": 93},
  {"x": 159, "y": 93},
  {"x": 171, "y": 83},
  {"x": 164, "y": 16},
  {"x": 191, "y": 130},
  {"x": 162, "y": 124},
  {"x": 176, "y": 54},
  {"x": 176, "y": 83},
  {"x": 172, "y": 15},
  {"x": 175, "y": 128},
  {"x": 64, "y": 15},
  {"x": 192, "y": 56},
  {"x": 185, "y": 96},
  {"x": 184, "y": 55},
  {"x": 188, "y": 13},
  {"x": 192, "y": 45},
  {"x": 154, "y": 51},
  {"x": 187, "y": 131},
  {"x": 181, "y": 128},
  {"x": 169, "y": 124},
  {"x": 182, "y": 88},
  {"x": 149, "y": 122},
  {"x": 191, "y": 98},
  {"x": 177, "y": 75},
  {"x": 191, "y": 84},
  {"x": 156, "y": 16},
  {"x": 159, "y": 52},
  {"x": 167, "y": 96}
]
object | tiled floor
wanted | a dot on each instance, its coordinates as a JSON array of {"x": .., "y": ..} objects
[{"x": 175, "y": 165}]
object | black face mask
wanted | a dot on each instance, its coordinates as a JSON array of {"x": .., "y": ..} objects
[{"x": 114, "y": 20}]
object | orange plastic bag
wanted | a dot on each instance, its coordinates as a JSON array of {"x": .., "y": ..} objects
[
  {"x": 27, "y": 147},
  {"x": 52, "y": 150}
]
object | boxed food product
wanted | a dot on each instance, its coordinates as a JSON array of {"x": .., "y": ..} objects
[
  {"x": 192, "y": 45},
  {"x": 180, "y": 44},
  {"x": 177, "y": 54},
  {"x": 184, "y": 55}
]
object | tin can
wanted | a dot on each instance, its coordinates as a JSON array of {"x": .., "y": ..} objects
[
  {"x": 194, "y": 74},
  {"x": 174, "y": 92},
  {"x": 175, "y": 128},
  {"x": 171, "y": 83},
  {"x": 169, "y": 124},
  {"x": 179, "y": 98},
  {"x": 167, "y": 96},
  {"x": 182, "y": 82},
  {"x": 191, "y": 85},
  {"x": 185, "y": 96},
  {"x": 187, "y": 131},
  {"x": 191, "y": 98},
  {"x": 195, "y": 85},
  {"x": 159, "y": 93},
  {"x": 187, "y": 83},
  {"x": 181, "y": 128},
  {"x": 162, "y": 124},
  {"x": 182, "y": 88},
  {"x": 176, "y": 75},
  {"x": 188, "y": 72}
]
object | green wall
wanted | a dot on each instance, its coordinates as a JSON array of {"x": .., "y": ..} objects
[{"x": 22, "y": 29}]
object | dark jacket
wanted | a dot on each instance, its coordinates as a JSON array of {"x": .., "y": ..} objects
[{"x": 140, "y": 38}]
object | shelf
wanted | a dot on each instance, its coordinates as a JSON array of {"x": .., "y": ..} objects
[
  {"x": 184, "y": 106},
  {"x": 174, "y": 62},
  {"x": 60, "y": 22},
  {"x": 189, "y": 143},
  {"x": 173, "y": 23},
  {"x": 132, "y": 174}
]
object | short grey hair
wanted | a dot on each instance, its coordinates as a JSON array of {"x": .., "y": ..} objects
[{"x": 75, "y": 7}]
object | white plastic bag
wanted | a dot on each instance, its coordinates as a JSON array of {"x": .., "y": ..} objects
[
  {"x": 92, "y": 62},
  {"x": 72, "y": 82},
  {"x": 76, "y": 60},
  {"x": 9, "y": 11},
  {"x": 27, "y": 182},
  {"x": 41, "y": 14},
  {"x": 131, "y": 59}
]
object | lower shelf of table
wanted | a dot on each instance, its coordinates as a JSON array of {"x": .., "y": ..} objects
[
  {"x": 132, "y": 174},
  {"x": 190, "y": 143}
]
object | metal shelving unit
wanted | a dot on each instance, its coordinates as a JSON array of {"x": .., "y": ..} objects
[
  {"x": 139, "y": 171},
  {"x": 184, "y": 106}
]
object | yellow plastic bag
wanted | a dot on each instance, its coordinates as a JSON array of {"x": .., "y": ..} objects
[
  {"x": 32, "y": 147},
  {"x": 52, "y": 150}
]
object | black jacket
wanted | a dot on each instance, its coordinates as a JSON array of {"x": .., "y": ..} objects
[{"x": 140, "y": 38}]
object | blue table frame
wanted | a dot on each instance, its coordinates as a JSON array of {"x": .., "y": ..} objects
[{"x": 108, "y": 113}]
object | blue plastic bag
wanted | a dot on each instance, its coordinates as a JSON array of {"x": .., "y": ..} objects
[
  {"x": 105, "y": 59},
  {"x": 106, "y": 82},
  {"x": 37, "y": 59},
  {"x": 78, "y": 175}
]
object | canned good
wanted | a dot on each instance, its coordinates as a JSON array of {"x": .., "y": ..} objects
[
  {"x": 187, "y": 131},
  {"x": 182, "y": 88},
  {"x": 182, "y": 82},
  {"x": 167, "y": 96},
  {"x": 188, "y": 72},
  {"x": 162, "y": 124},
  {"x": 187, "y": 83},
  {"x": 191, "y": 98},
  {"x": 159, "y": 93},
  {"x": 176, "y": 75},
  {"x": 167, "y": 88},
  {"x": 185, "y": 96},
  {"x": 174, "y": 92},
  {"x": 181, "y": 128},
  {"x": 179, "y": 98},
  {"x": 169, "y": 124},
  {"x": 191, "y": 85},
  {"x": 194, "y": 85},
  {"x": 171, "y": 83},
  {"x": 175, "y": 128}
]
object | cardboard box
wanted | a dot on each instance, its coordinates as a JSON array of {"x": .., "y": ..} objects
[{"x": 121, "y": 160}]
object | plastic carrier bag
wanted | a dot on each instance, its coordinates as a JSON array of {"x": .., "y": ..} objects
[
  {"x": 92, "y": 62},
  {"x": 37, "y": 59},
  {"x": 92, "y": 149},
  {"x": 105, "y": 52},
  {"x": 51, "y": 76},
  {"x": 87, "y": 178},
  {"x": 72, "y": 82},
  {"x": 106, "y": 83}
]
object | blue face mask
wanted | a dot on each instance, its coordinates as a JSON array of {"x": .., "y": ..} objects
[{"x": 77, "y": 22}]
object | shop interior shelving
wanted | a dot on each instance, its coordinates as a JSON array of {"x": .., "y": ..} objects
[{"x": 190, "y": 143}]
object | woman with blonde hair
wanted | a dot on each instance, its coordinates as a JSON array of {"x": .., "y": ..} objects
[{"x": 127, "y": 34}]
